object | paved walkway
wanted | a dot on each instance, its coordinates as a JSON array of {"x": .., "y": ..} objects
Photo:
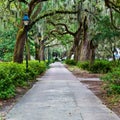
[{"x": 58, "y": 95}]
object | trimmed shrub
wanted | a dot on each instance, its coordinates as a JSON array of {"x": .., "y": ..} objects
[
  {"x": 17, "y": 74},
  {"x": 7, "y": 88},
  {"x": 70, "y": 62},
  {"x": 35, "y": 68},
  {"x": 112, "y": 81},
  {"x": 13, "y": 75},
  {"x": 101, "y": 66},
  {"x": 83, "y": 65}
]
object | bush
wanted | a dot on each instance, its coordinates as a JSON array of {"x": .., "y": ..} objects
[
  {"x": 101, "y": 66},
  {"x": 17, "y": 74},
  {"x": 13, "y": 75},
  {"x": 112, "y": 81},
  {"x": 35, "y": 68},
  {"x": 70, "y": 62},
  {"x": 7, "y": 89},
  {"x": 83, "y": 65}
]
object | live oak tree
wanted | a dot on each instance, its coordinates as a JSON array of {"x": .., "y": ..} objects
[
  {"x": 82, "y": 48},
  {"x": 33, "y": 9}
]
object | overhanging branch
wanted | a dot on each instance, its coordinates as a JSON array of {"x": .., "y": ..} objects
[
  {"x": 51, "y": 14},
  {"x": 57, "y": 44},
  {"x": 112, "y": 21},
  {"x": 32, "y": 5},
  {"x": 67, "y": 31},
  {"x": 92, "y": 14},
  {"x": 23, "y": 1},
  {"x": 60, "y": 33}
]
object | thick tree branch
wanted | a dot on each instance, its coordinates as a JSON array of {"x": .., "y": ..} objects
[
  {"x": 110, "y": 4},
  {"x": 112, "y": 21},
  {"x": 79, "y": 29},
  {"x": 117, "y": 10},
  {"x": 48, "y": 42},
  {"x": 107, "y": 3},
  {"x": 23, "y": 1},
  {"x": 51, "y": 14},
  {"x": 32, "y": 5},
  {"x": 36, "y": 11},
  {"x": 98, "y": 19},
  {"x": 57, "y": 44},
  {"x": 92, "y": 14},
  {"x": 67, "y": 31},
  {"x": 57, "y": 31}
]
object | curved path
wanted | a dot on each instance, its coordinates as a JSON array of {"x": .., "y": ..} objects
[{"x": 58, "y": 95}]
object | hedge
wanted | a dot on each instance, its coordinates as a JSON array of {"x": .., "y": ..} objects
[
  {"x": 70, "y": 62},
  {"x": 13, "y": 75},
  {"x": 112, "y": 81},
  {"x": 99, "y": 66}
]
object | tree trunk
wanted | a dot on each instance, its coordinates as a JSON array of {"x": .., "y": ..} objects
[
  {"x": 41, "y": 52},
  {"x": 19, "y": 46},
  {"x": 76, "y": 43},
  {"x": 36, "y": 52},
  {"x": 84, "y": 51},
  {"x": 92, "y": 56},
  {"x": 76, "y": 53},
  {"x": 71, "y": 52},
  {"x": 87, "y": 51},
  {"x": 86, "y": 48},
  {"x": 92, "y": 52}
]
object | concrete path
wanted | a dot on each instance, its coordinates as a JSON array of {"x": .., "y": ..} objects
[{"x": 58, "y": 95}]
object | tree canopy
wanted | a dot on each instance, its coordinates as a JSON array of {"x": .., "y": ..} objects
[{"x": 71, "y": 24}]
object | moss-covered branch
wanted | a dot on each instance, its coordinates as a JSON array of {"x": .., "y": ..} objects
[{"x": 51, "y": 14}]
